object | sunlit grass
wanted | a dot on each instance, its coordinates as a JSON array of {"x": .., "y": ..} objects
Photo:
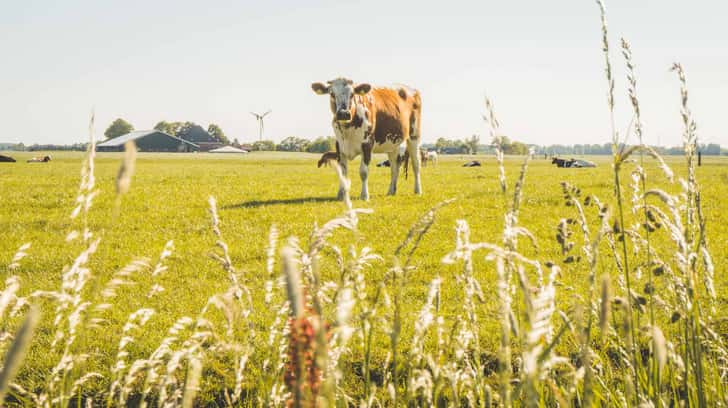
[{"x": 168, "y": 201}]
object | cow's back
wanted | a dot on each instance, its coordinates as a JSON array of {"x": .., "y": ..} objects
[{"x": 396, "y": 115}]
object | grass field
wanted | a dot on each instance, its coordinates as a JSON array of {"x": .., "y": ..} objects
[{"x": 168, "y": 200}]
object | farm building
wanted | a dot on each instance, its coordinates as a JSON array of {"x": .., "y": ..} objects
[
  {"x": 148, "y": 141},
  {"x": 228, "y": 149},
  {"x": 199, "y": 136}
]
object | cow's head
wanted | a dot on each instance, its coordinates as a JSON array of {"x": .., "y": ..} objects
[{"x": 341, "y": 91}]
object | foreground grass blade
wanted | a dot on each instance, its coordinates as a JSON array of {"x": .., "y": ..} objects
[{"x": 16, "y": 354}]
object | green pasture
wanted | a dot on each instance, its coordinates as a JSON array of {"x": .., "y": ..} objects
[{"x": 168, "y": 200}]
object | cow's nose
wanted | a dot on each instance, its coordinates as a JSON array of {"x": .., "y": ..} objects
[{"x": 343, "y": 115}]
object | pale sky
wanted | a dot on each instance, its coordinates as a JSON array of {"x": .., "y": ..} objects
[{"x": 539, "y": 61}]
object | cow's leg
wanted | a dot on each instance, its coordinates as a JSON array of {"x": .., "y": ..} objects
[
  {"x": 366, "y": 158},
  {"x": 394, "y": 166},
  {"x": 343, "y": 164},
  {"x": 413, "y": 147}
]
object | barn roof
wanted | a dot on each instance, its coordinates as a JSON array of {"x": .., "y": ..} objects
[
  {"x": 196, "y": 134},
  {"x": 138, "y": 134},
  {"x": 228, "y": 149}
]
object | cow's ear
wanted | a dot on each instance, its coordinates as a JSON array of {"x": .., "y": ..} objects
[
  {"x": 320, "y": 88},
  {"x": 362, "y": 89}
]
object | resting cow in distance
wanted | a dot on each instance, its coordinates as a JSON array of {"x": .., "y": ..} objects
[
  {"x": 563, "y": 163},
  {"x": 373, "y": 120},
  {"x": 39, "y": 159}
]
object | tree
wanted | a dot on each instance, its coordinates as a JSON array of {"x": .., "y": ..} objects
[
  {"x": 321, "y": 145},
  {"x": 264, "y": 146},
  {"x": 293, "y": 144},
  {"x": 473, "y": 144},
  {"x": 170, "y": 128},
  {"x": 185, "y": 130},
  {"x": 441, "y": 144},
  {"x": 236, "y": 143},
  {"x": 217, "y": 133},
  {"x": 711, "y": 149},
  {"x": 501, "y": 141},
  {"x": 516, "y": 148},
  {"x": 117, "y": 128},
  {"x": 446, "y": 146}
]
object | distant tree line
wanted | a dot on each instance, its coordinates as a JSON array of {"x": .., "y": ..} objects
[
  {"x": 472, "y": 145},
  {"x": 448, "y": 146},
  {"x": 193, "y": 132},
  {"x": 189, "y": 131},
  {"x": 79, "y": 147},
  {"x": 711, "y": 149},
  {"x": 296, "y": 144},
  {"x": 19, "y": 147}
]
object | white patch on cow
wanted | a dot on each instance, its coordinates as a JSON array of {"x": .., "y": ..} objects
[
  {"x": 341, "y": 90},
  {"x": 361, "y": 111},
  {"x": 387, "y": 147},
  {"x": 350, "y": 138},
  {"x": 350, "y": 141}
]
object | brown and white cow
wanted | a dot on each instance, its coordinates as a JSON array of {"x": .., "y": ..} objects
[
  {"x": 374, "y": 120},
  {"x": 39, "y": 159}
]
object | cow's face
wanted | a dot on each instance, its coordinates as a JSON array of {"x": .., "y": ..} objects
[{"x": 341, "y": 91}]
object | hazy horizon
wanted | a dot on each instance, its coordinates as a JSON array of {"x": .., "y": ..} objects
[{"x": 541, "y": 64}]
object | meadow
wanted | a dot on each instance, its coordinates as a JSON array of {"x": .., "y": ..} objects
[{"x": 167, "y": 207}]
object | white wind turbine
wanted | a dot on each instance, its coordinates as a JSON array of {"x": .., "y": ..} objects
[{"x": 260, "y": 117}]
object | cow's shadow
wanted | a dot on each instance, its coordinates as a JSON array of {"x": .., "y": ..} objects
[{"x": 266, "y": 203}]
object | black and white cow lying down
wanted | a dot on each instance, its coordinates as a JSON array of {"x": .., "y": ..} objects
[
  {"x": 370, "y": 120},
  {"x": 576, "y": 163}
]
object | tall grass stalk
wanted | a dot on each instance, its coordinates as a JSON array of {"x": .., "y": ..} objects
[
  {"x": 87, "y": 186},
  {"x": 21, "y": 253},
  {"x": 497, "y": 141},
  {"x": 693, "y": 331},
  {"x": 16, "y": 354},
  {"x": 619, "y": 158},
  {"x": 655, "y": 368}
]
